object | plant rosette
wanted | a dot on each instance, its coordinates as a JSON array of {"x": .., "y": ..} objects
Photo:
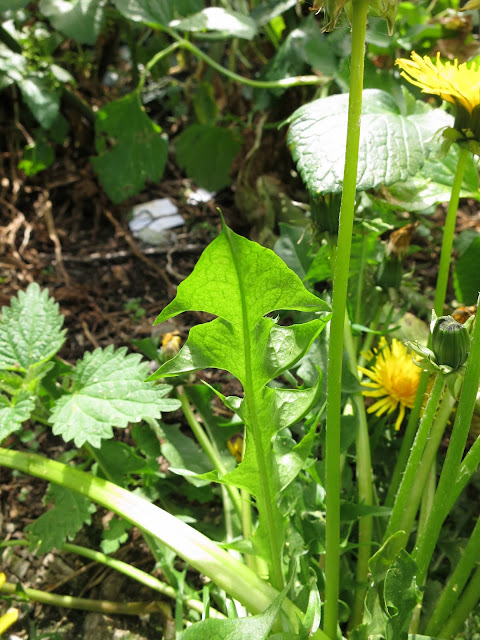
[{"x": 449, "y": 352}]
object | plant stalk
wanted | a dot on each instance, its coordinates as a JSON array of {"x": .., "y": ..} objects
[
  {"x": 448, "y": 233},
  {"x": 449, "y": 478},
  {"x": 467, "y": 602},
  {"x": 339, "y": 301},
  {"x": 410, "y": 491}
]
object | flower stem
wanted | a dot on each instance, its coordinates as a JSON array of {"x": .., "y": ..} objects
[
  {"x": 450, "y": 594},
  {"x": 449, "y": 479},
  {"x": 449, "y": 230},
  {"x": 410, "y": 490},
  {"x": 467, "y": 602},
  {"x": 335, "y": 352}
]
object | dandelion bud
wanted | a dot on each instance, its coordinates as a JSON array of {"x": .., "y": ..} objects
[{"x": 450, "y": 342}]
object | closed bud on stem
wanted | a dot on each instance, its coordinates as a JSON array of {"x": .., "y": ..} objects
[{"x": 450, "y": 342}]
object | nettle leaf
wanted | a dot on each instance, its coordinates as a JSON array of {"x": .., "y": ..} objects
[
  {"x": 30, "y": 329},
  {"x": 13, "y": 416},
  {"x": 218, "y": 19},
  {"x": 393, "y": 146},
  {"x": 109, "y": 390},
  {"x": 81, "y": 20},
  {"x": 68, "y": 515},
  {"x": 206, "y": 154},
  {"x": 240, "y": 282},
  {"x": 130, "y": 147}
]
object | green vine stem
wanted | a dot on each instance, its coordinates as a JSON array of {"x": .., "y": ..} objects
[
  {"x": 199, "y": 551},
  {"x": 454, "y": 587},
  {"x": 339, "y": 301},
  {"x": 208, "y": 447},
  {"x": 87, "y": 604},
  {"x": 182, "y": 43},
  {"x": 467, "y": 602},
  {"x": 447, "y": 485},
  {"x": 410, "y": 491},
  {"x": 448, "y": 233},
  {"x": 124, "y": 568},
  {"x": 364, "y": 487}
]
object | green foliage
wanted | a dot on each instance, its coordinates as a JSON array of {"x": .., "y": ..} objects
[
  {"x": 393, "y": 145},
  {"x": 37, "y": 156},
  {"x": 63, "y": 521},
  {"x": 13, "y": 415},
  {"x": 108, "y": 390},
  {"x": 80, "y": 20},
  {"x": 466, "y": 275},
  {"x": 129, "y": 146},
  {"x": 229, "y": 23},
  {"x": 30, "y": 329},
  {"x": 206, "y": 153}
]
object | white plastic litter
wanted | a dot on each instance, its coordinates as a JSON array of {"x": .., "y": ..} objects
[
  {"x": 200, "y": 195},
  {"x": 151, "y": 221}
]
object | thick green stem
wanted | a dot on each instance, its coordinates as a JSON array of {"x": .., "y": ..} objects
[
  {"x": 339, "y": 301},
  {"x": 199, "y": 551},
  {"x": 454, "y": 587},
  {"x": 447, "y": 486},
  {"x": 448, "y": 233},
  {"x": 127, "y": 570},
  {"x": 410, "y": 491},
  {"x": 468, "y": 601},
  {"x": 208, "y": 447}
]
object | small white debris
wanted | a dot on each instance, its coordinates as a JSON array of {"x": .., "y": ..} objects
[{"x": 150, "y": 221}]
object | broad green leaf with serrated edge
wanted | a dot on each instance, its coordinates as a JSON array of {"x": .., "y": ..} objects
[
  {"x": 240, "y": 282},
  {"x": 130, "y": 148},
  {"x": 108, "y": 391},
  {"x": 81, "y": 20},
  {"x": 401, "y": 595},
  {"x": 226, "y": 21},
  {"x": 70, "y": 512},
  {"x": 253, "y": 628},
  {"x": 393, "y": 146},
  {"x": 433, "y": 183},
  {"x": 115, "y": 535},
  {"x": 206, "y": 154},
  {"x": 12, "y": 416},
  {"x": 30, "y": 329}
]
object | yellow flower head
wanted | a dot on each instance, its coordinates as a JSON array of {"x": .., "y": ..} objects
[
  {"x": 456, "y": 83},
  {"x": 11, "y": 616},
  {"x": 394, "y": 379}
]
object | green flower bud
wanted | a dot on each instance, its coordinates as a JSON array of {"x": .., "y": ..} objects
[{"x": 450, "y": 342}]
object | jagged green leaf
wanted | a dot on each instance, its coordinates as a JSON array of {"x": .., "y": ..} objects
[
  {"x": 30, "y": 329},
  {"x": 108, "y": 390},
  {"x": 61, "y": 523},
  {"x": 115, "y": 535},
  {"x": 12, "y": 416},
  {"x": 393, "y": 146},
  {"x": 124, "y": 131}
]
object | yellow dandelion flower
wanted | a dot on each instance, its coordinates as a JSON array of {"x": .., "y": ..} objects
[
  {"x": 11, "y": 616},
  {"x": 456, "y": 83},
  {"x": 394, "y": 380}
]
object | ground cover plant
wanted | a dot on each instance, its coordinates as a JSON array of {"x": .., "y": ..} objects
[{"x": 338, "y": 448}]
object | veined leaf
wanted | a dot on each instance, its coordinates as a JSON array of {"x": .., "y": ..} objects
[
  {"x": 393, "y": 146},
  {"x": 81, "y": 19},
  {"x": 12, "y": 416},
  {"x": 30, "y": 329},
  {"x": 130, "y": 148},
  {"x": 70, "y": 512},
  {"x": 240, "y": 282},
  {"x": 108, "y": 391},
  {"x": 218, "y": 19}
]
